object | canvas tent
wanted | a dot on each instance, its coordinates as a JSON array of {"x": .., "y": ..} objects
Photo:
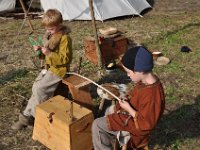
[
  {"x": 103, "y": 9},
  {"x": 7, "y": 5}
]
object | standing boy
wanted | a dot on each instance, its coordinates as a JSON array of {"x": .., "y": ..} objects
[
  {"x": 138, "y": 116},
  {"x": 57, "y": 51}
]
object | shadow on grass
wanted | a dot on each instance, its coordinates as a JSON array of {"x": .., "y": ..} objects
[
  {"x": 12, "y": 75},
  {"x": 183, "y": 123},
  {"x": 170, "y": 33}
]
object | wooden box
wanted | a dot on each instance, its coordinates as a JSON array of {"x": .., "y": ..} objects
[
  {"x": 111, "y": 48},
  {"x": 54, "y": 129},
  {"x": 80, "y": 90}
]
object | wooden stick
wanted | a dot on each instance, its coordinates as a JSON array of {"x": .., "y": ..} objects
[
  {"x": 101, "y": 104},
  {"x": 79, "y": 66},
  {"x": 19, "y": 30},
  {"x": 73, "y": 73},
  {"x": 26, "y": 15},
  {"x": 95, "y": 33}
]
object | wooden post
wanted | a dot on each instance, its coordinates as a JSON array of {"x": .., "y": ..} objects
[
  {"x": 95, "y": 33},
  {"x": 79, "y": 66},
  {"x": 26, "y": 15}
]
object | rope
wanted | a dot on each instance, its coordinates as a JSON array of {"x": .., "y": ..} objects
[{"x": 73, "y": 73}]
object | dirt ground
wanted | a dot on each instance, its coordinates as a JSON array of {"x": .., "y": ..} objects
[{"x": 179, "y": 128}]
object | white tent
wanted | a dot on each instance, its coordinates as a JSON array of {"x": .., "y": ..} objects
[
  {"x": 103, "y": 9},
  {"x": 7, "y": 5}
]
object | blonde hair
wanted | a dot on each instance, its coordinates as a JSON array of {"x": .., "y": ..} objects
[{"x": 52, "y": 17}]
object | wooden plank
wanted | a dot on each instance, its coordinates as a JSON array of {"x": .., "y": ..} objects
[
  {"x": 82, "y": 134},
  {"x": 75, "y": 81}
]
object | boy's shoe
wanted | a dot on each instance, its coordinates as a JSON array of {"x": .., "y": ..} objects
[{"x": 23, "y": 121}]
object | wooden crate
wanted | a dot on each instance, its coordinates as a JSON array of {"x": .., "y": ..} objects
[
  {"x": 55, "y": 130},
  {"x": 80, "y": 90},
  {"x": 111, "y": 48}
]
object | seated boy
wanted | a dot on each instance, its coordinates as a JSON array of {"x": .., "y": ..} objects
[
  {"x": 57, "y": 51},
  {"x": 138, "y": 115}
]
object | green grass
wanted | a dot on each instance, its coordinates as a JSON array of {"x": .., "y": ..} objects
[
  {"x": 170, "y": 95},
  {"x": 197, "y": 75}
]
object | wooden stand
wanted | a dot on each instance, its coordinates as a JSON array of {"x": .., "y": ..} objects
[
  {"x": 26, "y": 15},
  {"x": 57, "y": 130}
]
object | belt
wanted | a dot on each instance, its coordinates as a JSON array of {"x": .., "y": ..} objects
[{"x": 125, "y": 113}]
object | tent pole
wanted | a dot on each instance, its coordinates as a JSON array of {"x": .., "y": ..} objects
[
  {"x": 95, "y": 33},
  {"x": 26, "y": 15}
]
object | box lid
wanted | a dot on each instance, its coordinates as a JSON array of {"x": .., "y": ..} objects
[{"x": 59, "y": 107}]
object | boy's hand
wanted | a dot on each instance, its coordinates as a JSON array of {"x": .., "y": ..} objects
[
  {"x": 45, "y": 51},
  {"x": 126, "y": 106},
  {"x": 35, "y": 47}
]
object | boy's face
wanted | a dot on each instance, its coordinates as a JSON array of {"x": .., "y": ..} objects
[
  {"x": 52, "y": 29},
  {"x": 134, "y": 76}
]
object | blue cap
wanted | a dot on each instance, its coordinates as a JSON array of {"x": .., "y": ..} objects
[{"x": 138, "y": 59}]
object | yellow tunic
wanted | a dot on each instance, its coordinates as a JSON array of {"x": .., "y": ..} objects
[{"x": 60, "y": 57}]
